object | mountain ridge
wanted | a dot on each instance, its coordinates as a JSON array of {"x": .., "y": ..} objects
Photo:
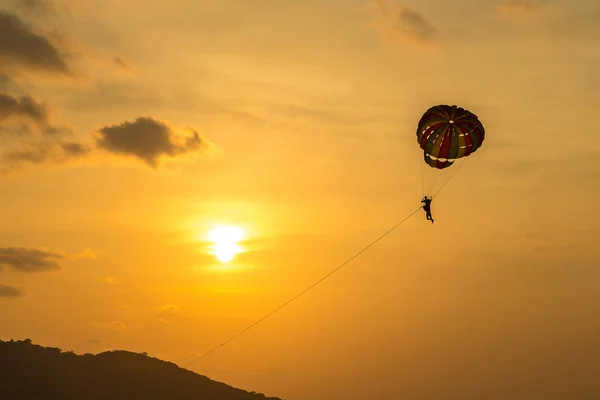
[{"x": 30, "y": 371}]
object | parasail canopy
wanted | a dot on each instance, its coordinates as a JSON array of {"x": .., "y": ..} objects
[{"x": 447, "y": 133}]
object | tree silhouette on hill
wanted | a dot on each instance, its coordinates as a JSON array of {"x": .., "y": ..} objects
[{"x": 29, "y": 371}]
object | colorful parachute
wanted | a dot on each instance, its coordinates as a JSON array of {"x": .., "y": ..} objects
[{"x": 445, "y": 134}]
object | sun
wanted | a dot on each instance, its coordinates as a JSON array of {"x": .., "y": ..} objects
[{"x": 225, "y": 239}]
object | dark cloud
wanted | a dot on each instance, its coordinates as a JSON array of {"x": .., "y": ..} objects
[
  {"x": 10, "y": 292},
  {"x": 144, "y": 138},
  {"x": 20, "y": 44},
  {"x": 147, "y": 139},
  {"x": 75, "y": 149},
  {"x": 24, "y": 106},
  {"x": 29, "y": 260},
  {"x": 401, "y": 21}
]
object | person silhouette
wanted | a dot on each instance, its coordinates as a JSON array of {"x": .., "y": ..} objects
[{"x": 427, "y": 207}]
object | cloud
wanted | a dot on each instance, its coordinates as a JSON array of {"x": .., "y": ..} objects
[
  {"x": 36, "y": 154},
  {"x": 22, "y": 107},
  {"x": 41, "y": 152},
  {"x": 6, "y": 81},
  {"x": 10, "y": 292},
  {"x": 39, "y": 141},
  {"x": 30, "y": 260},
  {"x": 28, "y": 110},
  {"x": 146, "y": 139},
  {"x": 114, "y": 325},
  {"x": 19, "y": 44},
  {"x": 111, "y": 280},
  {"x": 400, "y": 22},
  {"x": 37, "y": 5},
  {"x": 23, "y": 117},
  {"x": 526, "y": 9},
  {"x": 75, "y": 149},
  {"x": 120, "y": 63},
  {"x": 168, "y": 308},
  {"x": 167, "y": 313},
  {"x": 87, "y": 254},
  {"x": 341, "y": 117}
]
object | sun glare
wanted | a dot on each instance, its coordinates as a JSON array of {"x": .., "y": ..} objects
[{"x": 224, "y": 239}]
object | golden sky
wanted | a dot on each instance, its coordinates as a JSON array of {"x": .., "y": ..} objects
[{"x": 129, "y": 128}]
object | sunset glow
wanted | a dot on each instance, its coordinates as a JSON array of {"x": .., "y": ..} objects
[{"x": 225, "y": 242}]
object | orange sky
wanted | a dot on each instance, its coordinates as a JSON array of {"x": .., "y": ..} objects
[{"x": 129, "y": 128}]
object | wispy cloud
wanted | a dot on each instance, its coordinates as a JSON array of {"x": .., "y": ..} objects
[
  {"x": 167, "y": 313},
  {"x": 523, "y": 8},
  {"x": 168, "y": 308},
  {"x": 44, "y": 6},
  {"x": 395, "y": 21},
  {"x": 35, "y": 260},
  {"x": 111, "y": 280},
  {"x": 122, "y": 64},
  {"x": 30, "y": 136},
  {"x": 113, "y": 325},
  {"x": 10, "y": 292},
  {"x": 30, "y": 260},
  {"x": 87, "y": 254},
  {"x": 41, "y": 152},
  {"x": 6, "y": 81}
]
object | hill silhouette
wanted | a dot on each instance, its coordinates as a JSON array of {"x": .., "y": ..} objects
[{"x": 29, "y": 371}]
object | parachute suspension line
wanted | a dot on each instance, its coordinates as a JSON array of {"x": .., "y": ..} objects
[
  {"x": 305, "y": 290},
  {"x": 423, "y": 177},
  {"x": 429, "y": 178},
  {"x": 458, "y": 167},
  {"x": 434, "y": 178}
]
